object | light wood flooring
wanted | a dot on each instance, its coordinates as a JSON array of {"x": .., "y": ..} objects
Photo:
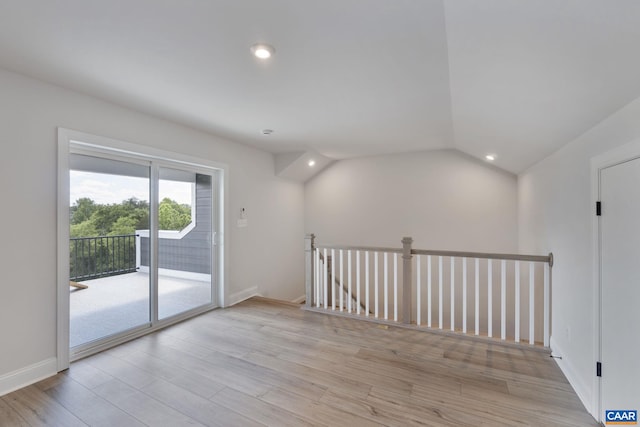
[{"x": 265, "y": 363}]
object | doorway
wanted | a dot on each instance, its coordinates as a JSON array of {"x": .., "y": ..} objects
[
  {"x": 619, "y": 291},
  {"x": 140, "y": 242}
]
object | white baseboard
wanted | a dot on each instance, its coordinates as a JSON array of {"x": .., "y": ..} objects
[
  {"x": 299, "y": 300},
  {"x": 28, "y": 375},
  {"x": 234, "y": 299},
  {"x": 581, "y": 389}
]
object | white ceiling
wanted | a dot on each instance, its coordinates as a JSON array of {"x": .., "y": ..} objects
[{"x": 349, "y": 77}]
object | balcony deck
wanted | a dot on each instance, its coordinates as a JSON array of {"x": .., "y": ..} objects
[{"x": 117, "y": 303}]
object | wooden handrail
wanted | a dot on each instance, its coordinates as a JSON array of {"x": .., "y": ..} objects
[
  {"x": 484, "y": 255},
  {"x": 459, "y": 254},
  {"x": 359, "y": 248}
]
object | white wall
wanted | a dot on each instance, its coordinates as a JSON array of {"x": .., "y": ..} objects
[
  {"x": 268, "y": 254},
  {"x": 443, "y": 199},
  {"x": 556, "y": 214}
]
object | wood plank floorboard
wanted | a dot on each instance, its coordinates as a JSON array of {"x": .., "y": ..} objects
[{"x": 265, "y": 363}]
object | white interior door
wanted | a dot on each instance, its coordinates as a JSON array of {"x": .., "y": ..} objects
[{"x": 620, "y": 287}]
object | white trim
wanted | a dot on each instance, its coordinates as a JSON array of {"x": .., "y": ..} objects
[
  {"x": 242, "y": 295},
  {"x": 618, "y": 155},
  {"x": 154, "y": 185},
  {"x": 28, "y": 375},
  {"x": 219, "y": 256},
  {"x": 170, "y": 234},
  {"x": 299, "y": 300},
  {"x": 62, "y": 305},
  {"x": 569, "y": 371},
  {"x": 594, "y": 407}
]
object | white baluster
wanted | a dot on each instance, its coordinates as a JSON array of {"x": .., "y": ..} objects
[
  {"x": 453, "y": 294},
  {"x": 489, "y": 299},
  {"x": 375, "y": 285},
  {"x": 440, "y": 292},
  {"x": 517, "y": 309},
  {"x": 341, "y": 281},
  {"x": 418, "y": 291},
  {"x": 366, "y": 281},
  {"x": 319, "y": 272},
  {"x": 429, "y": 291},
  {"x": 333, "y": 279},
  {"x": 386, "y": 286},
  {"x": 324, "y": 279},
  {"x": 503, "y": 300},
  {"x": 477, "y": 324},
  {"x": 464, "y": 295},
  {"x": 395, "y": 287},
  {"x": 358, "y": 282},
  {"x": 532, "y": 303},
  {"x": 349, "y": 281},
  {"x": 315, "y": 277}
]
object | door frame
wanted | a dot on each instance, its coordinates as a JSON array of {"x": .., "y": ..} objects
[
  {"x": 108, "y": 147},
  {"x": 627, "y": 152}
]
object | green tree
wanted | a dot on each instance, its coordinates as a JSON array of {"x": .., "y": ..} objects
[
  {"x": 82, "y": 210},
  {"x": 105, "y": 216},
  {"x": 84, "y": 229},
  {"x": 124, "y": 225},
  {"x": 172, "y": 215}
]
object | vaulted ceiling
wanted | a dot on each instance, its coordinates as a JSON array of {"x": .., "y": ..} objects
[{"x": 349, "y": 78}]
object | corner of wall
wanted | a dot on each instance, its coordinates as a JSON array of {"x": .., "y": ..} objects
[
  {"x": 243, "y": 295},
  {"x": 582, "y": 390}
]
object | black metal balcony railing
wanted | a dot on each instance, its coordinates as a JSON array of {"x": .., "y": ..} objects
[{"x": 101, "y": 256}]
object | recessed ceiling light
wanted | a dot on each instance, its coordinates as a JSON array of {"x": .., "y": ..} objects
[
  {"x": 311, "y": 163},
  {"x": 262, "y": 51},
  {"x": 267, "y": 131},
  {"x": 490, "y": 157}
]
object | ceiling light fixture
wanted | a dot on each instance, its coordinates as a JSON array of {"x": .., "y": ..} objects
[
  {"x": 311, "y": 163},
  {"x": 267, "y": 131},
  {"x": 490, "y": 157},
  {"x": 262, "y": 51}
]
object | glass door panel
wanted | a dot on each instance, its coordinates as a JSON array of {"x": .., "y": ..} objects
[
  {"x": 185, "y": 231},
  {"x": 108, "y": 253}
]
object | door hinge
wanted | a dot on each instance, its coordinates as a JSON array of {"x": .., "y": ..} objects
[
  {"x": 598, "y": 369},
  {"x": 598, "y": 208}
]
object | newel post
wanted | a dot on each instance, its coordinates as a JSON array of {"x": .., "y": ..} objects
[
  {"x": 406, "y": 279},
  {"x": 309, "y": 249},
  {"x": 548, "y": 267}
]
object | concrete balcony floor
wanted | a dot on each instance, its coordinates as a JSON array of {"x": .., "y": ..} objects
[{"x": 114, "y": 304}]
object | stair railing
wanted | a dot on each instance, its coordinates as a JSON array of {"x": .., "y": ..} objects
[{"x": 463, "y": 292}]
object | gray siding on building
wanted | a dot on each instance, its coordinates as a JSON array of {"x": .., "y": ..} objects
[{"x": 193, "y": 252}]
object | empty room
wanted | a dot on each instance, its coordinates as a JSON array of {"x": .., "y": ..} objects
[{"x": 332, "y": 213}]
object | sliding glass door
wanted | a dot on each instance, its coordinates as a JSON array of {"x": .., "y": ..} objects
[
  {"x": 185, "y": 231},
  {"x": 109, "y": 204},
  {"x": 141, "y": 246}
]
